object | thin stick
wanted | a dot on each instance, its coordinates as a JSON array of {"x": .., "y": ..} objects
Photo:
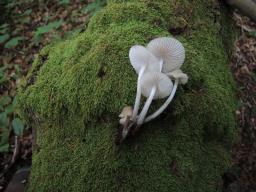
[{"x": 16, "y": 149}]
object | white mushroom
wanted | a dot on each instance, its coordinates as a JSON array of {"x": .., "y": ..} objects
[
  {"x": 170, "y": 50},
  {"x": 154, "y": 85},
  {"x": 125, "y": 114},
  {"x": 178, "y": 74},
  {"x": 166, "y": 55},
  {"x": 180, "y": 78},
  {"x": 142, "y": 60}
]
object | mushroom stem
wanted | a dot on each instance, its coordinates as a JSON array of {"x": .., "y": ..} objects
[
  {"x": 161, "y": 65},
  {"x": 166, "y": 103},
  {"x": 138, "y": 95},
  {"x": 146, "y": 107}
]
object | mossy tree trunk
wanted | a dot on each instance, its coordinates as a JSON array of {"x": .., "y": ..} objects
[{"x": 77, "y": 88}]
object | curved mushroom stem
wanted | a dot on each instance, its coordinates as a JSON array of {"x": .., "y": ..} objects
[
  {"x": 161, "y": 65},
  {"x": 166, "y": 103},
  {"x": 138, "y": 95},
  {"x": 146, "y": 107}
]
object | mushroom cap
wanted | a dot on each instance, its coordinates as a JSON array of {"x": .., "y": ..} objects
[
  {"x": 123, "y": 120},
  {"x": 178, "y": 74},
  {"x": 159, "y": 80},
  {"x": 140, "y": 56},
  {"x": 126, "y": 112},
  {"x": 170, "y": 50}
]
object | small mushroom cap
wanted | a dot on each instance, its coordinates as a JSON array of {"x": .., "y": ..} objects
[
  {"x": 126, "y": 112},
  {"x": 178, "y": 74},
  {"x": 170, "y": 50},
  {"x": 140, "y": 56},
  {"x": 122, "y": 120},
  {"x": 159, "y": 80}
]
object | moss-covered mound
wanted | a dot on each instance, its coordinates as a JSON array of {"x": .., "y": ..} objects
[{"x": 77, "y": 88}]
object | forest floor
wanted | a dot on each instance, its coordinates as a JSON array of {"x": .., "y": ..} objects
[
  {"x": 25, "y": 29},
  {"x": 242, "y": 176}
]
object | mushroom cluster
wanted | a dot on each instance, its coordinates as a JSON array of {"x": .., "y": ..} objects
[{"x": 157, "y": 65}]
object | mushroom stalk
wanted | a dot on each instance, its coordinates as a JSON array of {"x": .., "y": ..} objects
[
  {"x": 166, "y": 103},
  {"x": 138, "y": 94},
  {"x": 161, "y": 65},
  {"x": 146, "y": 107}
]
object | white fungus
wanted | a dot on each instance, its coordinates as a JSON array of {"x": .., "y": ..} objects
[
  {"x": 170, "y": 50},
  {"x": 155, "y": 85},
  {"x": 142, "y": 60},
  {"x": 156, "y": 65}
]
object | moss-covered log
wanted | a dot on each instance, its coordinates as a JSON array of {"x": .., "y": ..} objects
[{"x": 77, "y": 88}]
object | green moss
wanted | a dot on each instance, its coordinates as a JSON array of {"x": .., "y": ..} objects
[
  {"x": 77, "y": 88},
  {"x": 115, "y": 14}
]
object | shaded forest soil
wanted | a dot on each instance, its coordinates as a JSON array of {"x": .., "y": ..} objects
[{"x": 242, "y": 176}]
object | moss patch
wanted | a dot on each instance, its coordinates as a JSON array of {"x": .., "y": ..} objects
[{"x": 80, "y": 86}]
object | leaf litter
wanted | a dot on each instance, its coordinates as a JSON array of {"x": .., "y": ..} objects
[{"x": 242, "y": 176}]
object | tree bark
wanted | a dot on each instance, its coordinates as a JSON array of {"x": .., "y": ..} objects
[
  {"x": 77, "y": 88},
  {"x": 248, "y": 7}
]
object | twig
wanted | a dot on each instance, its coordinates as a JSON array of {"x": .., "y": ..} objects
[{"x": 16, "y": 149}]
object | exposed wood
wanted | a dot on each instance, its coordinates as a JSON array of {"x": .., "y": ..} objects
[{"x": 248, "y": 7}]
